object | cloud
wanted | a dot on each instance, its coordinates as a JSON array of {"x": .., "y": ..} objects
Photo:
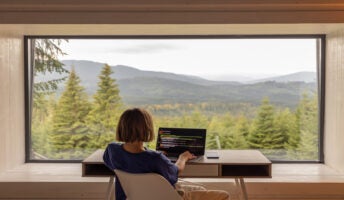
[{"x": 145, "y": 49}]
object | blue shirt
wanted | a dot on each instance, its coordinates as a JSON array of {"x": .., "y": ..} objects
[{"x": 115, "y": 157}]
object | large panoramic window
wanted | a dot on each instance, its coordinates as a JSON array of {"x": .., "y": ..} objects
[{"x": 259, "y": 93}]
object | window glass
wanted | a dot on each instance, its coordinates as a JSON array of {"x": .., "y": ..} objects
[{"x": 249, "y": 93}]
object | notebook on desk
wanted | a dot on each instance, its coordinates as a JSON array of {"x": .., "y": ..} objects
[{"x": 174, "y": 141}]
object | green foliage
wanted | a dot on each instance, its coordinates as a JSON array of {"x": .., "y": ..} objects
[
  {"x": 45, "y": 62},
  {"x": 72, "y": 127},
  {"x": 46, "y": 52},
  {"x": 207, "y": 108},
  {"x": 287, "y": 123},
  {"x": 41, "y": 126},
  {"x": 159, "y": 90},
  {"x": 214, "y": 133},
  {"x": 242, "y": 130},
  {"x": 69, "y": 127},
  {"x": 106, "y": 109},
  {"x": 226, "y": 131},
  {"x": 263, "y": 131},
  {"x": 286, "y": 134},
  {"x": 307, "y": 113}
]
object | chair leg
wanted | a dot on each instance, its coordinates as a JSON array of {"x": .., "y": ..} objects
[{"x": 109, "y": 191}]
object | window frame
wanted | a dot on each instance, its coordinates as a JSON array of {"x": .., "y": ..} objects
[{"x": 321, "y": 62}]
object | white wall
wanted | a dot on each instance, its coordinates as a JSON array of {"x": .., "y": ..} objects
[
  {"x": 11, "y": 102},
  {"x": 12, "y": 75},
  {"x": 12, "y": 133},
  {"x": 334, "y": 101}
]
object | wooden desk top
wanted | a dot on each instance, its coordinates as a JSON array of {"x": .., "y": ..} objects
[
  {"x": 231, "y": 157},
  {"x": 231, "y": 163}
]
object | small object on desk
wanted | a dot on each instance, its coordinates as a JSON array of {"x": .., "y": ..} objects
[{"x": 212, "y": 155}]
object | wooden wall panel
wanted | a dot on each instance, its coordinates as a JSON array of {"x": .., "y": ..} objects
[
  {"x": 334, "y": 101},
  {"x": 11, "y": 102},
  {"x": 170, "y": 12},
  {"x": 51, "y": 190},
  {"x": 168, "y": 29},
  {"x": 174, "y": 17},
  {"x": 4, "y": 100},
  {"x": 16, "y": 147},
  {"x": 97, "y": 190},
  {"x": 158, "y": 12}
]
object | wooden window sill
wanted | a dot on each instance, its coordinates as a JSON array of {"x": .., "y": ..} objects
[{"x": 62, "y": 172}]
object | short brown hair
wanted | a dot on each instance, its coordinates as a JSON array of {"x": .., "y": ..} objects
[{"x": 135, "y": 124}]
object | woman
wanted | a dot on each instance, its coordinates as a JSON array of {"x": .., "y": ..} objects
[{"x": 135, "y": 127}]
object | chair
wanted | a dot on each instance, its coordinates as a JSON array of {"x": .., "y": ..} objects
[{"x": 144, "y": 186}]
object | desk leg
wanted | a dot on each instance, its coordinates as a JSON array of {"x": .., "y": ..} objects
[
  {"x": 109, "y": 188},
  {"x": 243, "y": 189},
  {"x": 237, "y": 184}
]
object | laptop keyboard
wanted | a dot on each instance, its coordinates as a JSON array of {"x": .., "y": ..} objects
[
  {"x": 174, "y": 159},
  {"x": 198, "y": 158}
]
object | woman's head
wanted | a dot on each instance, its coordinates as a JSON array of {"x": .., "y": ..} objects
[{"x": 135, "y": 125}]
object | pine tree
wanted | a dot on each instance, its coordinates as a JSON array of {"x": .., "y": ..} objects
[
  {"x": 69, "y": 129},
  {"x": 263, "y": 127},
  {"x": 293, "y": 140},
  {"x": 106, "y": 108},
  {"x": 229, "y": 138},
  {"x": 223, "y": 129},
  {"x": 283, "y": 127},
  {"x": 44, "y": 61},
  {"x": 46, "y": 52},
  {"x": 242, "y": 130},
  {"x": 308, "y": 117},
  {"x": 39, "y": 127}
]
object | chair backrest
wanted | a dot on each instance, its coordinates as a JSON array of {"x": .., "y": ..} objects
[{"x": 150, "y": 186}]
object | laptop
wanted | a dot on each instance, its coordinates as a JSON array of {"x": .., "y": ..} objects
[{"x": 174, "y": 141}]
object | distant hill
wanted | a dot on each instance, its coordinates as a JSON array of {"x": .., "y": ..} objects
[
  {"x": 231, "y": 77},
  {"x": 139, "y": 87},
  {"x": 307, "y": 77},
  {"x": 124, "y": 72},
  {"x": 144, "y": 90}
]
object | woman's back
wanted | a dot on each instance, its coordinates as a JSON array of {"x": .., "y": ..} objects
[{"x": 116, "y": 157}]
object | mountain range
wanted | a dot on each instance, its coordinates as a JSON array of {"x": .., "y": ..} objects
[{"x": 139, "y": 87}]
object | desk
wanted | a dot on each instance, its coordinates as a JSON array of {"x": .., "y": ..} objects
[{"x": 237, "y": 164}]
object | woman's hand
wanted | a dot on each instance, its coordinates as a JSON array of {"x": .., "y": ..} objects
[
  {"x": 186, "y": 156},
  {"x": 182, "y": 159}
]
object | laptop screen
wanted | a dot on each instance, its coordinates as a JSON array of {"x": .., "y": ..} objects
[{"x": 174, "y": 141}]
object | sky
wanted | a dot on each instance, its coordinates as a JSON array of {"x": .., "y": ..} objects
[{"x": 209, "y": 58}]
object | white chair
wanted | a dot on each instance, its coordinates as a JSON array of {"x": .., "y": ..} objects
[{"x": 146, "y": 186}]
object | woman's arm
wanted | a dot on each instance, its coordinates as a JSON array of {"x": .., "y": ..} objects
[{"x": 182, "y": 159}]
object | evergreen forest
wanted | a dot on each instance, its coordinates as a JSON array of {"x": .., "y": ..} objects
[{"x": 71, "y": 124}]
